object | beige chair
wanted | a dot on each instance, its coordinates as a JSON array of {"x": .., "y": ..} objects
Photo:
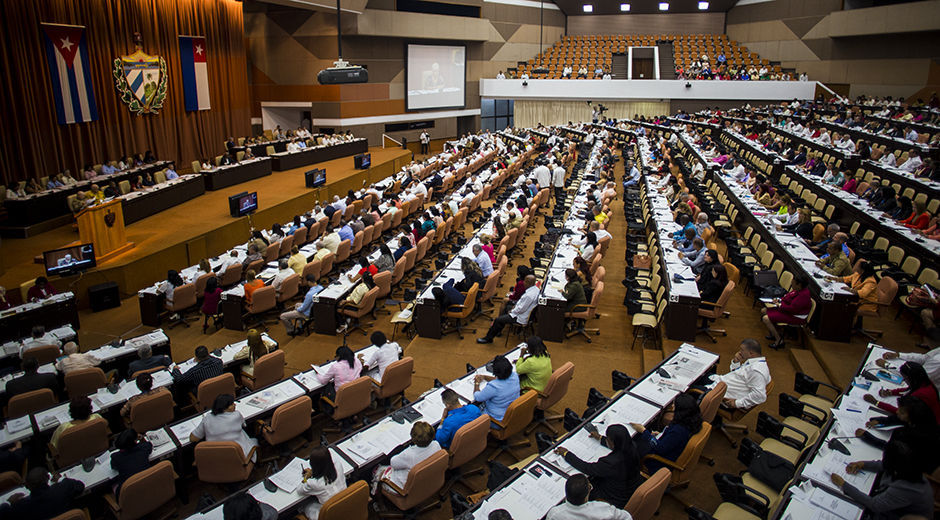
[
  {"x": 88, "y": 439},
  {"x": 85, "y": 381},
  {"x": 886, "y": 290},
  {"x": 342, "y": 252},
  {"x": 289, "y": 421},
  {"x": 555, "y": 390},
  {"x": 211, "y": 388},
  {"x": 10, "y": 480},
  {"x": 184, "y": 299},
  {"x": 144, "y": 492},
  {"x": 712, "y": 401},
  {"x": 517, "y": 417},
  {"x": 44, "y": 354},
  {"x": 263, "y": 300},
  {"x": 351, "y": 400},
  {"x": 72, "y": 514},
  {"x": 270, "y": 253},
  {"x": 683, "y": 465},
  {"x": 30, "y": 402},
  {"x": 731, "y": 417},
  {"x": 150, "y": 412},
  {"x": 468, "y": 443},
  {"x": 269, "y": 369},
  {"x": 582, "y": 313},
  {"x": 351, "y": 503},
  {"x": 223, "y": 462},
  {"x": 714, "y": 310},
  {"x": 231, "y": 276},
  {"x": 424, "y": 481},
  {"x": 644, "y": 502},
  {"x": 460, "y": 313},
  {"x": 395, "y": 380},
  {"x": 356, "y": 312}
]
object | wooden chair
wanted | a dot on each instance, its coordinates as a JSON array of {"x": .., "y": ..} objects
[
  {"x": 88, "y": 439},
  {"x": 150, "y": 412},
  {"x": 30, "y": 402},
  {"x": 351, "y": 503},
  {"x": 644, "y": 502},
  {"x": 351, "y": 400},
  {"x": 517, "y": 417},
  {"x": 223, "y": 462},
  {"x": 555, "y": 390},
  {"x": 395, "y": 380},
  {"x": 144, "y": 492},
  {"x": 582, "y": 313},
  {"x": 462, "y": 312},
  {"x": 424, "y": 482},
  {"x": 468, "y": 443},
  {"x": 85, "y": 381},
  {"x": 269, "y": 369},
  {"x": 713, "y": 311}
]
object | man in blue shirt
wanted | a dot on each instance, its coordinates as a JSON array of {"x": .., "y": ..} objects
[
  {"x": 500, "y": 391},
  {"x": 455, "y": 416},
  {"x": 107, "y": 169},
  {"x": 634, "y": 175},
  {"x": 346, "y": 233},
  {"x": 302, "y": 310},
  {"x": 171, "y": 174}
]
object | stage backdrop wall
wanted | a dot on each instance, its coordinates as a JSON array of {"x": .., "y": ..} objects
[
  {"x": 529, "y": 113},
  {"x": 34, "y": 144}
]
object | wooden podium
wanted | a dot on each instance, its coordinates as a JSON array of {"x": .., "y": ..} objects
[{"x": 103, "y": 226}]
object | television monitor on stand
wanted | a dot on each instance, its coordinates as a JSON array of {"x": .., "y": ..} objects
[
  {"x": 243, "y": 203},
  {"x": 363, "y": 161},
  {"x": 69, "y": 260},
  {"x": 315, "y": 178}
]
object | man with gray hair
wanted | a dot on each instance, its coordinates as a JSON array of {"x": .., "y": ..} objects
[
  {"x": 75, "y": 360},
  {"x": 147, "y": 361}
]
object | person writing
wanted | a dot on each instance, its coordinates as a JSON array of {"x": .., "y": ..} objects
[
  {"x": 455, "y": 416},
  {"x": 683, "y": 419},
  {"x": 345, "y": 368},
  {"x": 576, "y": 505},
  {"x": 615, "y": 476},
  {"x": 322, "y": 480},
  {"x": 385, "y": 353},
  {"x": 918, "y": 385},
  {"x": 422, "y": 446}
]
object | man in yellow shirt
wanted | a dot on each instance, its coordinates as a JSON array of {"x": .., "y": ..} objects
[{"x": 297, "y": 260}]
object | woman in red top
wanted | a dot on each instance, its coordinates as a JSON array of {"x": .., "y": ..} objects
[
  {"x": 919, "y": 385},
  {"x": 364, "y": 267},
  {"x": 41, "y": 290},
  {"x": 210, "y": 303},
  {"x": 793, "y": 309},
  {"x": 919, "y": 218}
]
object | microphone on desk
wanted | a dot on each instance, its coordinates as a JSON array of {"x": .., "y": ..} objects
[{"x": 836, "y": 444}]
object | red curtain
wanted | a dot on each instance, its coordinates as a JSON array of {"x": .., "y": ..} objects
[{"x": 34, "y": 144}]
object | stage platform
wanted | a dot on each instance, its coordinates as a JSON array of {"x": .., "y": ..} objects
[{"x": 201, "y": 227}]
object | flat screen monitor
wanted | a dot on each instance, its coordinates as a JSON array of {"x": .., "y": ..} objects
[
  {"x": 363, "y": 161},
  {"x": 69, "y": 260},
  {"x": 243, "y": 203},
  {"x": 435, "y": 76},
  {"x": 315, "y": 178}
]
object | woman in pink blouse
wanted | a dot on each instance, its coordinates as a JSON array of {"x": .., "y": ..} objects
[{"x": 344, "y": 369}]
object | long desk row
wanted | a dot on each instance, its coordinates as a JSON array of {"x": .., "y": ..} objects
[
  {"x": 56, "y": 311},
  {"x": 138, "y": 205},
  {"x": 812, "y": 492},
  {"x": 835, "y": 303},
  {"x": 540, "y": 485},
  {"x": 289, "y": 160},
  {"x": 232, "y": 174},
  {"x": 38, "y": 207}
]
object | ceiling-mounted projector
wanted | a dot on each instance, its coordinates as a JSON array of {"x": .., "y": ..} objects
[{"x": 342, "y": 72}]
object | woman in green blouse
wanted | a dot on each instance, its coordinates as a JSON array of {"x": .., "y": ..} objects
[{"x": 534, "y": 365}]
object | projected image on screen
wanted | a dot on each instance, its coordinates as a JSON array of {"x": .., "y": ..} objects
[{"x": 436, "y": 76}]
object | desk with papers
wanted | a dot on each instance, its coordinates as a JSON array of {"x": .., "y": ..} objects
[
  {"x": 835, "y": 303},
  {"x": 53, "y": 312},
  {"x": 540, "y": 485},
  {"x": 812, "y": 494},
  {"x": 232, "y": 174}
]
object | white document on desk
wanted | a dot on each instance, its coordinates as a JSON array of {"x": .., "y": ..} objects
[
  {"x": 655, "y": 389},
  {"x": 289, "y": 478},
  {"x": 581, "y": 444},
  {"x": 526, "y": 498}
]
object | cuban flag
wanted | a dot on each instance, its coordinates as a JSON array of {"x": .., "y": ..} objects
[
  {"x": 195, "y": 73},
  {"x": 70, "y": 71}
]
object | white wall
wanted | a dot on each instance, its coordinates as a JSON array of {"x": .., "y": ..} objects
[
  {"x": 614, "y": 90},
  {"x": 287, "y": 117}
]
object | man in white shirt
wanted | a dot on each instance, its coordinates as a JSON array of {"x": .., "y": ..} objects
[
  {"x": 386, "y": 353},
  {"x": 519, "y": 313},
  {"x": 482, "y": 259},
  {"x": 330, "y": 242},
  {"x": 824, "y": 137},
  {"x": 75, "y": 360},
  {"x": 39, "y": 338},
  {"x": 420, "y": 189},
  {"x": 283, "y": 272},
  {"x": 339, "y": 204},
  {"x": 543, "y": 176},
  {"x": 748, "y": 378},
  {"x": 500, "y": 75},
  {"x": 888, "y": 159},
  {"x": 566, "y": 72},
  {"x": 911, "y": 135},
  {"x": 738, "y": 173},
  {"x": 912, "y": 163},
  {"x": 425, "y": 140},
  {"x": 293, "y": 147},
  {"x": 577, "y": 507},
  {"x": 558, "y": 180}
]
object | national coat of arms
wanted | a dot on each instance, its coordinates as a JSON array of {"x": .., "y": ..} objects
[{"x": 141, "y": 80}]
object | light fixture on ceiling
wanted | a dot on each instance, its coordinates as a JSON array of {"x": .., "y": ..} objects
[
  {"x": 587, "y": 8},
  {"x": 664, "y": 6},
  {"x": 625, "y": 7},
  {"x": 703, "y": 6}
]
